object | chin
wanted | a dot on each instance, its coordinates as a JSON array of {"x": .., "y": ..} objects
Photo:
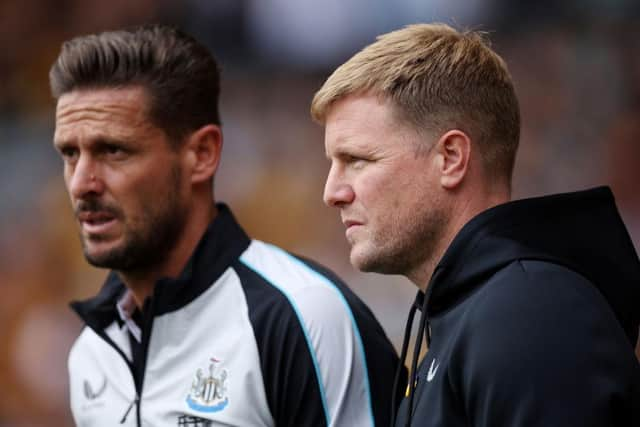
[
  {"x": 363, "y": 261},
  {"x": 101, "y": 254},
  {"x": 99, "y": 259},
  {"x": 96, "y": 247},
  {"x": 377, "y": 262}
]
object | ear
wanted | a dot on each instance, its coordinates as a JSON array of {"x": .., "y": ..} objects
[
  {"x": 454, "y": 148},
  {"x": 202, "y": 156}
]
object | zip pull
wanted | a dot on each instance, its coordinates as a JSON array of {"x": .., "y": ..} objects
[{"x": 124, "y": 417}]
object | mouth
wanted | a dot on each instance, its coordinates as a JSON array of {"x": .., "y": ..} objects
[
  {"x": 351, "y": 225},
  {"x": 96, "y": 222}
]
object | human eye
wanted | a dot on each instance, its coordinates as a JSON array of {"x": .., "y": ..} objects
[
  {"x": 68, "y": 153},
  {"x": 356, "y": 161},
  {"x": 114, "y": 151}
]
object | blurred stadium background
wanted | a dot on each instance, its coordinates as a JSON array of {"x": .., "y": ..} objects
[{"x": 577, "y": 72}]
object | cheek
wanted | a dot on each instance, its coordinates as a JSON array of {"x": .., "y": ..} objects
[
  {"x": 155, "y": 193},
  {"x": 67, "y": 181},
  {"x": 67, "y": 175},
  {"x": 370, "y": 188},
  {"x": 384, "y": 190},
  {"x": 133, "y": 193}
]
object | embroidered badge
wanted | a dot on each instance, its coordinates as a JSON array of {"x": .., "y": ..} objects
[{"x": 209, "y": 393}]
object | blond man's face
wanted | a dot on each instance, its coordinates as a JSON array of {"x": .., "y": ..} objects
[{"x": 387, "y": 192}]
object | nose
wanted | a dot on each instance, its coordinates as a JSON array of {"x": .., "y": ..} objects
[
  {"x": 83, "y": 178},
  {"x": 337, "y": 191}
]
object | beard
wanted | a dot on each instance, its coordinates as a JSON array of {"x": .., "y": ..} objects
[
  {"x": 407, "y": 244},
  {"x": 149, "y": 238}
]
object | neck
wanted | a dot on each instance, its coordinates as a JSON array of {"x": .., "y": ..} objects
[
  {"x": 141, "y": 283},
  {"x": 466, "y": 207}
]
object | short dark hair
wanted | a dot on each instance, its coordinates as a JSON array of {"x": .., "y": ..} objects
[{"x": 179, "y": 74}]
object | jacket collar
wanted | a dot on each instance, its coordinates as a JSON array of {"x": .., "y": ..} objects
[
  {"x": 221, "y": 244},
  {"x": 582, "y": 231}
]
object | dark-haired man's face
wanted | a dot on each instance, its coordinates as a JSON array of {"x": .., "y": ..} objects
[{"x": 123, "y": 178}]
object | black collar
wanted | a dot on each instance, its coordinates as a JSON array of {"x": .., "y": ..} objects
[
  {"x": 582, "y": 231},
  {"x": 221, "y": 244}
]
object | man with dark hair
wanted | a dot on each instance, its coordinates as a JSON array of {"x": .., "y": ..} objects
[
  {"x": 529, "y": 307},
  {"x": 197, "y": 324}
]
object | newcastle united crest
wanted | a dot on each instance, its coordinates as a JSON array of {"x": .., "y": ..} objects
[{"x": 208, "y": 391}]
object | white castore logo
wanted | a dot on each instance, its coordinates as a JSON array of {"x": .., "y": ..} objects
[{"x": 92, "y": 394}]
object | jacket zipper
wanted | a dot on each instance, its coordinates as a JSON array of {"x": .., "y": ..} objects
[
  {"x": 136, "y": 400},
  {"x": 138, "y": 370},
  {"x": 126, "y": 414}
]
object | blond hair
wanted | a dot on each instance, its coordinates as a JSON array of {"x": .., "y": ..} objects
[{"x": 437, "y": 78}]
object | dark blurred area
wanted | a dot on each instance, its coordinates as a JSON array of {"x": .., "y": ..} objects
[{"x": 577, "y": 74}]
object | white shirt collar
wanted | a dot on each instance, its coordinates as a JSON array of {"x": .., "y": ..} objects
[{"x": 126, "y": 307}]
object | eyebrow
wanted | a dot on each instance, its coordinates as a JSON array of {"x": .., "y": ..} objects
[
  {"x": 60, "y": 143},
  {"x": 103, "y": 140},
  {"x": 352, "y": 150},
  {"x": 99, "y": 141}
]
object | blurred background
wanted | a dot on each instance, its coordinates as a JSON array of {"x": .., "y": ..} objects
[{"x": 576, "y": 68}]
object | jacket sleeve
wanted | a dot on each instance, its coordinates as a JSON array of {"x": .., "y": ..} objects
[
  {"x": 313, "y": 362},
  {"x": 545, "y": 349},
  {"x": 334, "y": 357}
]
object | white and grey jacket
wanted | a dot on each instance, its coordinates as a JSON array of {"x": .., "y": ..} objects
[{"x": 247, "y": 335}]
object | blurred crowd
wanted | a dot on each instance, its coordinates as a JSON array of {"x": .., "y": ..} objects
[{"x": 577, "y": 74}]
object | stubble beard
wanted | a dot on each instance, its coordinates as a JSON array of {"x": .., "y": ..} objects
[
  {"x": 408, "y": 245},
  {"x": 148, "y": 241}
]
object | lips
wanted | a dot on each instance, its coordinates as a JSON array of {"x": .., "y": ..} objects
[
  {"x": 96, "y": 222},
  {"x": 95, "y": 217},
  {"x": 350, "y": 223},
  {"x": 351, "y": 226}
]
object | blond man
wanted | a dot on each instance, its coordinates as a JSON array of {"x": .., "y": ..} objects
[{"x": 528, "y": 307}]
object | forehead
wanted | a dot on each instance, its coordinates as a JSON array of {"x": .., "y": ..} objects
[
  {"x": 365, "y": 120},
  {"x": 359, "y": 110},
  {"x": 108, "y": 111}
]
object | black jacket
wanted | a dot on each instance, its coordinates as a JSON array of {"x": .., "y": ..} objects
[{"x": 532, "y": 315}]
